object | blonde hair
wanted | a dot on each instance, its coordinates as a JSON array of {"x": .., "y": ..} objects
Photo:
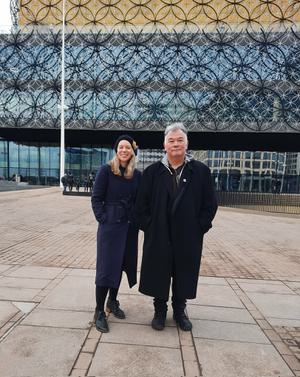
[{"x": 115, "y": 166}]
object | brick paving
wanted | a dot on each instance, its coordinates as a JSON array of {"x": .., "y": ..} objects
[
  {"x": 249, "y": 258},
  {"x": 64, "y": 235}
]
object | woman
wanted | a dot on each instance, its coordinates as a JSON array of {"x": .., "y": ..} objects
[{"x": 113, "y": 198}]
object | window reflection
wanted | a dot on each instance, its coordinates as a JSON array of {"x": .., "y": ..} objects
[{"x": 39, "y": 164}]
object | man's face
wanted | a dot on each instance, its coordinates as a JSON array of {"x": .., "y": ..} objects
[{"x": 176, "y": 144}]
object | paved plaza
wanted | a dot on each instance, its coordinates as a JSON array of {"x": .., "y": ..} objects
[{"x": 246, "y": 317}]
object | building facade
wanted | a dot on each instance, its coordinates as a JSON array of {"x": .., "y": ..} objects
[{"x": 221, "y": 67}]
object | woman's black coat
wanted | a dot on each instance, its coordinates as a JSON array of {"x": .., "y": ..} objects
[
  {"x": 174, "y": 229},
  {"x": 113, "y": 199}
]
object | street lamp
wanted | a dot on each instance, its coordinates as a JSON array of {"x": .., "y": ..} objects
[{"x": 62, "y": 99}]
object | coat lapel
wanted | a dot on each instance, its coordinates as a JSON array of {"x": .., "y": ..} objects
[
  {"x": 167, "y": 181},
  {"x": 184, "y": 182}
]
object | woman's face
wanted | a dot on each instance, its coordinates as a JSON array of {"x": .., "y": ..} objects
[{"x": 124, "y": 151}]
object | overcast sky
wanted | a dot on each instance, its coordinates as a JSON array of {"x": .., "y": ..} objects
[{"x": 5, "y": 13}]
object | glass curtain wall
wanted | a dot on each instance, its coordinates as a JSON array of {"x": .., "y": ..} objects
[
  {"x": 245, "y": 171},
  {"x": 39, "y": 164},
  {"x": 273, "y": 172}
]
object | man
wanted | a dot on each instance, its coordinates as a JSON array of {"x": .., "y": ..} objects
[{"x": 175, "y": 206}]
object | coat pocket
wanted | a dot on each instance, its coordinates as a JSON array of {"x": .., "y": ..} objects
[{"x": 115, "y": 214}]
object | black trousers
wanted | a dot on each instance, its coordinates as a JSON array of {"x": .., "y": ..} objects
[
  {"x": 101, "y": 293},
  {"x": 178, "y": 303}
]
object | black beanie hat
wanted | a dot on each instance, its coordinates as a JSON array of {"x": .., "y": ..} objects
[{"x": 129, "y": 139}]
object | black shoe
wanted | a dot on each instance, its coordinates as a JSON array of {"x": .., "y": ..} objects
[
  {"x": 158, "y": 321},
  {"x": 100, "y": 321},
  {"x": 183, "y": 322},
  {"x": 113, "y": 306}
]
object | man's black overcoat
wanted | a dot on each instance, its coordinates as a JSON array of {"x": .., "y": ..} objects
[{"x": 174, "y": 229}]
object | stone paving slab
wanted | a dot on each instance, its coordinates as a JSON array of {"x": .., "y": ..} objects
[
  {"x": 223, "y": 359},
  {"x": 124, "y": 333},
  {"x": 228, "y": 331},
  {"x": 212, "y": 281},
  {"x": 59, "y": 318},
  {"x": 4, "y": 267},
  {"x": 277, "y": 305},
  {"x": 259, "y": 281},
  {"x": 7, "y": 311},
  {"x": 265, "y": 288},
  {"x": 13, "y": 282},
  {"x": 22, "y": 294},
  {"x": 219, "y": 314},
  {"x": 284, "y": 322},
  {"x": 213, "y": 295},
  {"x": 132, "y": 304},
  {"x": 248, "y": 290},
  {"x": 35, "y": 272},
  {"x": 40, "y": 351},
  {"x": 133, "y": 360},
  {"x": 73, "y": 293},
  {"x": 82, "y": 272}
]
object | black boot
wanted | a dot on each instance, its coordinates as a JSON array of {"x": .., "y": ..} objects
[
  {"x": 158, "y": 321},
  {"x": 113, "y": 306},
  {"x": 100, "y": 321},
  {"x": 179, "y": 314},
  {"x": 182, "y": 320},
  {"x": 160, "y": 314}
]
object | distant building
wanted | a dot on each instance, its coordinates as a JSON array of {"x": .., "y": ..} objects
[{"x": 245, "y": 170}]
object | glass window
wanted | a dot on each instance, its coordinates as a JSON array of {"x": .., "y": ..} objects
[
  {"x": 14, "y": 156},
  {"x": 23, "y": 156},
  {"x": 33, "y": 176},
  {"x": 3, "y": 173},
  {"x": 44, "y": 157},
  {"x": 3, "y": 153},
  {"x": 86, "y": 157},
  {"x": 257, "y": 155},
  {"x": 256, "y": 165},
  {"x": 54, "y": 157},
  {"x": 34, "y": 156},
  {"x": 75, "y": 158}
]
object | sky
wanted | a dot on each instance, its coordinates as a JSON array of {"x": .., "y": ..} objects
[{"x": 4, "y": 13}]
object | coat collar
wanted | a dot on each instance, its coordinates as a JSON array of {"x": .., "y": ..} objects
[
  {"x": 185, "y": 179},
  {"x": 165, "y": 162}
]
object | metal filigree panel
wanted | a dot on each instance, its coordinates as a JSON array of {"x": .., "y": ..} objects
[
  {"x": 160, "y": 13},
  {"x": 236, "y": 70}
]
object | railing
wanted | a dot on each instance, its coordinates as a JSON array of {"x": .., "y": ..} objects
[{"x": 281, "y": 203}]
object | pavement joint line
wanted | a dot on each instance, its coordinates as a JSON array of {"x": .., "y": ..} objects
[
  {"x": 181, "y": 354},
  {"x": 138, "y": 323},
  {"x": 15, "y": 324},
  {"x": 81, "y": 351},
  {"x": 53, "y": 326},
  {"x": 141, "y": 345},
  {"x": 271, "y": 333},
  {"x": 222, "y": 321},
  {"x": 195, "y": 351}
]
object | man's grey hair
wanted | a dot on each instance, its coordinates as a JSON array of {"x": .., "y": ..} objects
[{"x": 175, "y": 127}]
